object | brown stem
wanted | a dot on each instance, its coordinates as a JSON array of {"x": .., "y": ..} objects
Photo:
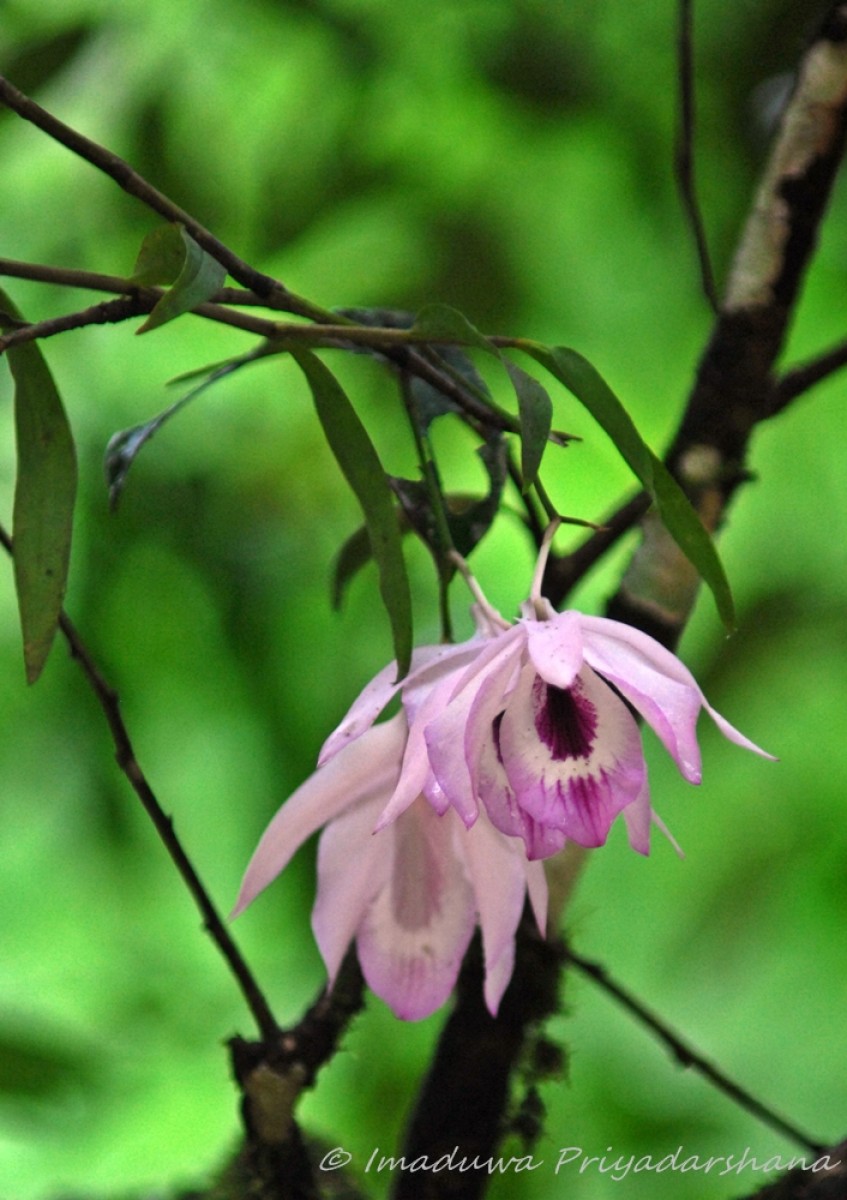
[
  {"x": 805, "y": 376},
  {"x": 823, "y": 1179},
  {"x": 460, "y": 1109},
  {"x": 687, "y": 1056},
  {"x": 271, "y": 290}
]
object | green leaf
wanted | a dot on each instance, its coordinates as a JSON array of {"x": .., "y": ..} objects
[
  {"x": 161, "y": 257},
  {"x": 692, "y": 537},
  {"x": 352, "y": 556},
  {"x": 592, "y": 391},
  {"x": 124, "y": 446},
  {"x": 199, "y": 275},
  {"x": 679, "y": 517},
  {"x": 536, "y": 414},
  {"x": 45, "y": 490},
  {"x": 440, "y": 322},
  {"x": 362, "y": 469}
]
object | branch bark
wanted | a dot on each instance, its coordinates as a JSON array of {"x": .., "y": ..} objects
[{"x": 735, "y": 386}]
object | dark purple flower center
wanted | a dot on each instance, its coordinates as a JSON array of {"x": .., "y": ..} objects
[
  {"x": 565, "y": 719},
  {"x": 495, "y": 730}
]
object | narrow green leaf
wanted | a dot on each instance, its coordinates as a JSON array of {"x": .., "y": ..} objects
[
  {"x": 200, "y": 276},
  {"x": 680, "y": 518},
  {"x": 45, "y": 490},
  {"x": 693, "y": 539},
  {"x": 592, "y": 391},
  {"x": 441, "y": 322},
  {"x": 161, "y": 257},
  {"x": 352, "y": 556},
  {"x": 124, "y": 446},
  {"x": 362, "y": 469},
  {"x": 430, "y": 401},
  {"x": 536, "y": 415}
]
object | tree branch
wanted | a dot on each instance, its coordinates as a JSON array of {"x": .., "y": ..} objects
[
  {"x": 827, "y": 1181},
  {"x": 274, "y": 293},
  {"x": 802, "y": 378},
  {"x": 734, "y": 388},
  {"x": 687, "y": 1056},
  {"x": 732, "y": 392},
  {"x": 464, "y": 1097}
]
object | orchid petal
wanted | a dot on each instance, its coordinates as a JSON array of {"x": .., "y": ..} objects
[
  {"x": 488, "y": 703},
  {"x": 497, "y": 794},
  {"x": 555, "y": 648},
  {"x": 353, "y": 865},
  {"x": 383, "y": 687},
  {"x": 662, "y": 827},
  {"x": 487, "y": 652},
  {"x": 659, "y": 686},
  {"x": 536, "y": 886},
  {"x": 503, "y": 810},
  {"x": 415, "y": 772},
  {"x": 456, "y": 737},
  {"x": 416, "y": 930},
  {"x": 576, "y": 788},
  {"x": 498, "y": 877},
  {"x": 654, "y": 682},
  {"x": 366, "y": 767},
  {"x": 497, "y": 976},
  {"x": 730, "y": 732},
  {"x": 638, "y": 818}
]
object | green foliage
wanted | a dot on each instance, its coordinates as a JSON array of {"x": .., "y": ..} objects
[
  {"x": 362, "y": 469},
  {"x": 441, "y": 322},
  {"x": 170, "y": 255},
  {"x": 589, "y": 387},
  {"x": 514, "y": 162},
  {"x": 45, "y": 492},
  {"x": 536, "y": 414}
]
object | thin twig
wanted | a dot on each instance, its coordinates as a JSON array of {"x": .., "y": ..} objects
[
  {"x": 107, "y": 312},
  {"x": 96, "y": 281},
  {"x": 565, "y": 571},
  {"x": 684, "y": 152},
  {"x": 397, "y": 345},
  {"x": 109, "y": 702},
  {"x": 687, "y": 1056},
  {"x": 112, "y": 312},
  {"x": 274, "y": 293},
  {"x": 800, "y": 379},
  {"x": 16, "y": 268}
]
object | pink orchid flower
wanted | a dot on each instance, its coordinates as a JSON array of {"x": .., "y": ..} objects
[
  {"x": 507, "y": 746},
  {"x": 532, "y": 723},
  {"x": 410, "y": 895}
]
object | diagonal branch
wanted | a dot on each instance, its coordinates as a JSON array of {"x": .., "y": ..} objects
[
  {"x": 805, "y": 376},
  {"x": 143, "y": 300},
  {"x": 275, "y": 294},
  {"x": 109, "y": 702},
  {"x": 687, "y": 1056}
]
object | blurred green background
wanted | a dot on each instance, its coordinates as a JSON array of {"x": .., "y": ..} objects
[{"x": 512, "y": 159}]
